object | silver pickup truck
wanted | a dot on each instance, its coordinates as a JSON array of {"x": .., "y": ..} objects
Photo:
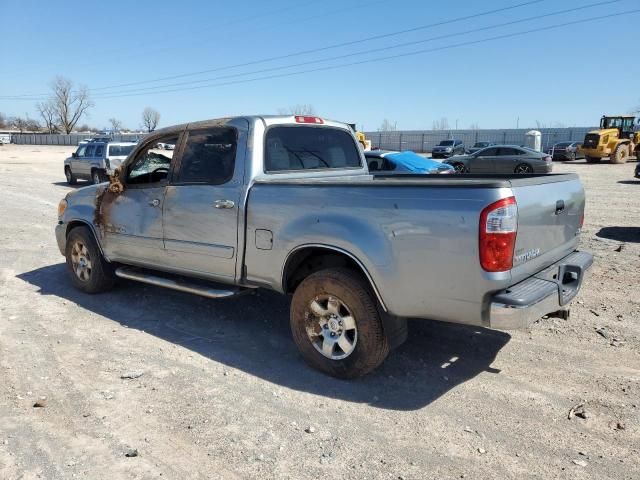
[{"x": 286, "y": 203}]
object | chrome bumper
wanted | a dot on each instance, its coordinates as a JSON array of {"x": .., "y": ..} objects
[{"x": 548, "y": 291}]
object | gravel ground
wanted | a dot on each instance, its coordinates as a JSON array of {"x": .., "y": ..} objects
[{"x": 223, "y": 393}]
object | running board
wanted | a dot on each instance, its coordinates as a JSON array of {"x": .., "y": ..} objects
[{"x": 178, "y": 283}]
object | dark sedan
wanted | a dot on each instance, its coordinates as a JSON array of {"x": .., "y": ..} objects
[
  {"x": 479, "y": 146},
  {"x": 565, "y": 151},
  {"x": 503, "y": 159},
  {"x": 637, "y": 174}
]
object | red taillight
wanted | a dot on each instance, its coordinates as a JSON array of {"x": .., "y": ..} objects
[
  {"x": 498, "y": 230},
  {"x": 582, "y": 220},
  {"x": 305, "y": 119}
]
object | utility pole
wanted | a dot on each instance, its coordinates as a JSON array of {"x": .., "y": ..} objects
[{"x": 518, "y": 122}]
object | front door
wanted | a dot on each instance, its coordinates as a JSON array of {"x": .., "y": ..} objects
[
  {"x": 483, "y": 161},
  {"x": 132, "y": 219},
  {"x": 202, "y": 203}
]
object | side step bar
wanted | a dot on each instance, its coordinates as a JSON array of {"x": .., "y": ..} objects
[{"x": 178, "y": 283}]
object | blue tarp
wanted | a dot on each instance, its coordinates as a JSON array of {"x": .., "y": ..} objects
[{"x": 409, "y": 161}]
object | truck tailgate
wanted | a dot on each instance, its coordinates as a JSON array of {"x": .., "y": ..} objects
[{"x": 550, "y": 216}]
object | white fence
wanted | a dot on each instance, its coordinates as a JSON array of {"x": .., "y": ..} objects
[
  {"x": 425, "y": 140},
  {"x": 72, "y": 139}
]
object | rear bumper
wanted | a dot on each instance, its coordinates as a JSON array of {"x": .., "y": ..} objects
[{"x": 546, "y": 292}]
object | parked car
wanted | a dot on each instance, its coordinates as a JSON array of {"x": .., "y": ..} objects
[
  {"x": 637, "y": 172},
  {"x": 95, "y": 160},
  {"x": 448, "y": 148},
  {"x": 565, "y": 151},
  {"x": 479, "y": 146},
  {"x": 287, "y": 203},
  {"x": 503, "y": 159},
  {"x": 403, "y": 162}
]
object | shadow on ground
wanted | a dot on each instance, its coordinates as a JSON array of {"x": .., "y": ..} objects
[
  {"x": 251, "y": 333},
  {"x": 620, "y": 234},
  {"x": 629, "y": 182}
]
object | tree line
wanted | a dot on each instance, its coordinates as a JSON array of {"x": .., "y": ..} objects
[{"x": 62, "y": 112}]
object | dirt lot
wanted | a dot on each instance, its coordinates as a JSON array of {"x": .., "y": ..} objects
[{"x": 224, "y": 394}]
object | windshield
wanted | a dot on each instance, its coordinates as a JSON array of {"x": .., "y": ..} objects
[
  {"x": 446, "y": 143},
  {"x": 309, "y": 148},
  {"x": 120, "y": 150}
]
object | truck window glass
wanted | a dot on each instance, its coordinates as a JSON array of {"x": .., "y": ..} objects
[
  {"x": 89, "y": 151},
  {"x": 99, "y": 150},
  {"x": 209, "y": 156},
  {"x": 153, "y": 163},
  {"x": 309, "y": 148}
]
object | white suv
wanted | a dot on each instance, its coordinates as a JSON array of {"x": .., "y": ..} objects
[{"x": 96, "y": 160}]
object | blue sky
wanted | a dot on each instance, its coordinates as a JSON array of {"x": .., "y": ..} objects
[{"x": 569, "y": 75}]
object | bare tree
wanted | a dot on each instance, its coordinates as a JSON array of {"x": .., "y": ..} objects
[
  {"x": 442, "y": 124},
  {"x": 150, "y": 119},
  {"x": 474, "y": 126},
  {"x": 3, "y": 120},
  {"x": 388, "y": 126},
  {"x": 116, "y": 125},
  {"x": 47, "y": 111},
  {"x": 24, "y": 124},
  {"x": 303, "y": 109},
  {"x": 70, "y": 105}
]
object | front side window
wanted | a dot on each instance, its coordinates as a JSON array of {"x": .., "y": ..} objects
[
  {"x": 209, "y": 156},
  {"x": 309, "y": 148},
  {"x": 99, "y": 150},
  {"x": 81, "y": 150},
  {"x": 488, "y": 152},
  {"x": 152, "y": 164}
]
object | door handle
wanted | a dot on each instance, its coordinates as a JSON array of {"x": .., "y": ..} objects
[
  {"x": 154, "y": 203},
  {"x": 224, "y": 204}
]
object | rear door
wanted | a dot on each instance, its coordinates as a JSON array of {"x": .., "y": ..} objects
[
  {"x": 506, "y": 159},
  {"x": 202, "y": 205}
]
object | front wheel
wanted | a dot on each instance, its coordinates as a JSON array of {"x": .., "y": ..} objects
[
  {"x": 71, "y": 178},
  {"x": 460, "y": 168},
  {"x": 336, "y": 324},
  {"x": 620, "y": 154},
  {"x": 523, "y": 168},
  {"x": 88, "y": 270}
]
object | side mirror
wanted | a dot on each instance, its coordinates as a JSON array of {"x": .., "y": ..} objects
[{"x": 74, "y": 155}]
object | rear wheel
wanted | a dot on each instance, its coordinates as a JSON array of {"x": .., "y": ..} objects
[
  {"x": 88, "y": 270},
  {"x": 336, "y": 324},
  {"x": 460, "y": 167},
  {"x": 97, "y": 176},
  {"x": 71, "y": 178},
  {"x": 523, "y": 168},
  {"x": 592, "y": 159},
  {"x": 620, "y": 154}
]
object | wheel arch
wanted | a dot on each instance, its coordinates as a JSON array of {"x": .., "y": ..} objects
[
  {"x": 309, "y": 258},
  {"x": 83, "y": 223}
]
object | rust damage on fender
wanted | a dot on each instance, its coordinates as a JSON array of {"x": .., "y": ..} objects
[{"x": 105, "y": 199}]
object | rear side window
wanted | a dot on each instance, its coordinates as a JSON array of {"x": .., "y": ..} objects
[
  {"x": 309, "y": 148},
  {"x": 99, "y": 150},
  {"x": 209, "y": 156},
  {"x": 120, "y": 150}
]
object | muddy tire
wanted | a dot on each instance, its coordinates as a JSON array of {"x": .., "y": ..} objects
[
  {"x": 620, "y": 154},
  {"x": 336, "y": 324},
  {"x": 592, "y": 159},
  {"x": 88, "y": 270},
  {"x": 71, "y": 178}
]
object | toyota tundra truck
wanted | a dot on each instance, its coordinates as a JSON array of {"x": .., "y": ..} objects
[{"x": 286, "y": 203}]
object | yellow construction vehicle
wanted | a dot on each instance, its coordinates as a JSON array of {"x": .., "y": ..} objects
[
  {"x": 617, "y": 139},
  {"x": 362, "y": 139}
]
